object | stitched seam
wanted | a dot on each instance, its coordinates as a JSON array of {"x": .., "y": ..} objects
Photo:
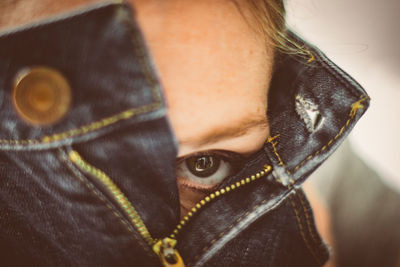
[
  {"x": 141, "y": 54},
  {"x": 308, "y": 218},
  {"x": 281, "y": 163},
  {"x": 354, "y": 107},
  {"x": 300, "y": 225},
  {"x": 76, "y": 173},
  {"x": 289, "y": 187},
  {"x": 85, "y": 129},
  {"x": 273, "y": 144}
]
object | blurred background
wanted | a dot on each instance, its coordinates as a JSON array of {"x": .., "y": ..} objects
[
  {"x": 362, "y": 37},
  {"x": 361, "y": 181}
]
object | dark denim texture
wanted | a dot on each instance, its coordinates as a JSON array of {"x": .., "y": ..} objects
[{"x": 52, "y": 214}]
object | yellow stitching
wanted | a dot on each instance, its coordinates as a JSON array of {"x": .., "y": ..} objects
[
  {"x": 354, "y": 108},
  {"x": 273, "y": 144},
  {"x": 357, "y": 105},
  {"x": 281, "y": 163},
  {"x": 312, "y": 58},
  {"x": 272, "y": 138},
  {"x": 302, "y": 230},
  {"x": 308, "y": 218},
  {"x": 110, "y": 120},
  {"x": 94, "y": 191},
  {"x": 87, "y": 128}
]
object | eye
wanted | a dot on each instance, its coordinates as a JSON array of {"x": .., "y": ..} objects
[
  {"x": 207, "y": 170},
  {"x": 203, "y": 166}
]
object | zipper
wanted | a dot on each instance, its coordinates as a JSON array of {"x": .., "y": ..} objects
[
  {"x": 164, "y": 248},
  {"x": 216, "y": 195}
]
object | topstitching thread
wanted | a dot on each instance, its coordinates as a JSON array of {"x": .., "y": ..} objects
[{"x": 127, "y": 114}]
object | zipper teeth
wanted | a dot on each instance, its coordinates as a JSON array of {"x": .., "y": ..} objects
[
  {"x": 217, "y": 194},
  {"x": 131, "y": 211},
  {"x": 116, "y": 193}
]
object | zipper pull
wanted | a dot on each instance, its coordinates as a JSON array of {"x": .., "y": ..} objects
[{"x": 169, "y": 256}]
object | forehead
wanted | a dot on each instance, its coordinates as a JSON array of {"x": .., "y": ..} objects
[{"x": 214, "y": 67}]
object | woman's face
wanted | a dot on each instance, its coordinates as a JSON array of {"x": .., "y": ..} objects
[{"x": 215, "y": 70}]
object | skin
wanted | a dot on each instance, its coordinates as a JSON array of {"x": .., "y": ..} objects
[
  {"x": 198, "y": 40},
  {"x": 202, "y": 64},
  {"x": 215, "y": 70}
]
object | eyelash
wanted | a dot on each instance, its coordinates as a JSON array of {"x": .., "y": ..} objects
[{"x": 186, "y": 177}]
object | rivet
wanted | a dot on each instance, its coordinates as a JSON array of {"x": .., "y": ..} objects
[
  {"x": 212, "y": 196},
  {"x": 198, "y": 206},
  {"x": 202, "y": 202},
  {"x": 41, "y": 95},
  {"x": 217, "y": 194},
  {"x": 227, "y": 189},
  {"x": 222, "y": 191},
  {"x": 247, "y": 180},
  {"x": 208, "y": 199}
]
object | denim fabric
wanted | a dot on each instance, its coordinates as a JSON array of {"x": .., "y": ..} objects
[{"x": 53, "y": 214}]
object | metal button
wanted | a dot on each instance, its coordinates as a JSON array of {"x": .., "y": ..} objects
[{"x": 41, "y": 95}]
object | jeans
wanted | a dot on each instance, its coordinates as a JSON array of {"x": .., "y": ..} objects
[{"x": 98, "y": 188}]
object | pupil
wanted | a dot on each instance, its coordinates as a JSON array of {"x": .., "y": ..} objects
[
  {"x": 204, "y": 163},
  {"x": 203, "y": 166}
]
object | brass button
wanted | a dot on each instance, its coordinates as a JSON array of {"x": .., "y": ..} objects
[{"x": 41, "y": 95}]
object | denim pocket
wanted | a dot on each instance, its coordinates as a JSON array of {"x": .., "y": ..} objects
[
  {"x": 101, "y": 54},
  {"x": 52, "y": 211}
]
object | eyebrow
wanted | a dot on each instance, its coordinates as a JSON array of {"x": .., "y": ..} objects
[{"x": 237, "y": 129}]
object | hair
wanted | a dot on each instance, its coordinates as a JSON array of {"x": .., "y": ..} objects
[{"x": 270, "y": 15}]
